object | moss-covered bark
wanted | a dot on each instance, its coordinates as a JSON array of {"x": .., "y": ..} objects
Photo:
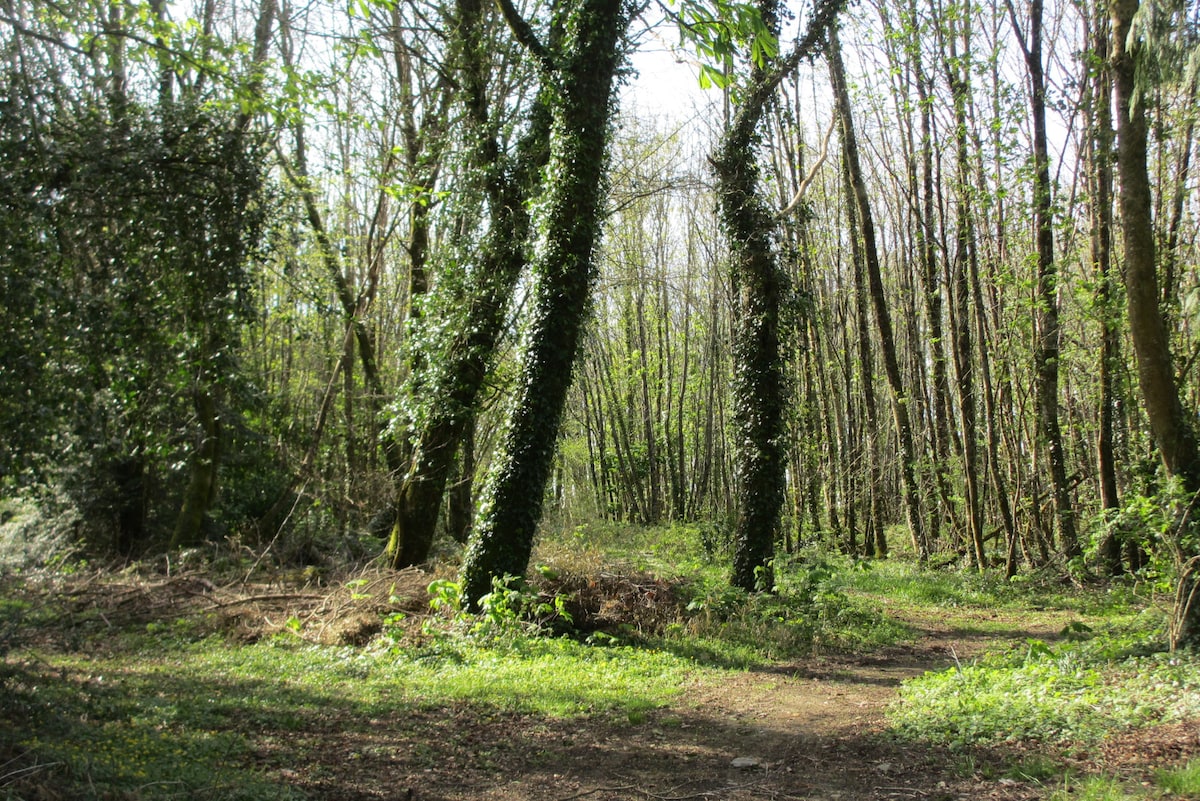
[
  {"x": 581, "y": 67},
  {"x": 1171, "y": 424},
  {"x": 457, "y": 368}
]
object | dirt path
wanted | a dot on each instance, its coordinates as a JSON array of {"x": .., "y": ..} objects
[
  {"x": 809, "y": 730},
  {"x": 812, "y": 729}
]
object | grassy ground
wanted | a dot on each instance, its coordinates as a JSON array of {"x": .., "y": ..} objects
[{"x": 141, "y": 685}]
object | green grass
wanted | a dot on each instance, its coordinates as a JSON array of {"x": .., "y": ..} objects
[
  {"x": 1096, "y": 788},
  {"x": 1076, "y": 691},
  {"x": 1182, "y": 781},
  {"x": 172, "y": 719},
  {"x": 164, "y": 710},
  {"x": 906, "y": 582},
  {"x": 723, "y": 626},
  {"x": 1035, "y": 769}
]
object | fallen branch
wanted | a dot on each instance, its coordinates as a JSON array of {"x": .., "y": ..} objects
[
  {"x": 622, "y": 789},
  {"x": 292, "y": 596}
]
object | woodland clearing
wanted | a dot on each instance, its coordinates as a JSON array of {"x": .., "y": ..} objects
[{"x": 146, "y": 685}]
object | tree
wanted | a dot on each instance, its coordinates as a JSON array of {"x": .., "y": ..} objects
[
  {"x": 962, "y": 269},
  {"x": 578, "y": 66},
  {"x": 760, "y": 391},
  {"x": 458, "y": 359},
  {"x": 149, "y": 216},
  {"x": 883, "y": 320},
  {"x": 1046, "y": 352},
  {"x": 1100, "y": 176},
  {"x": 1170, "y": 422},
  {"x": 223, "y": 228}
]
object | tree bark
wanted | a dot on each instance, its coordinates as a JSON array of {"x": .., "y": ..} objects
[
  {"x": 464, "y": 357},
  {"x": 584, "y": 69},
  {"x": 963, "y": 266},
  {"x": 1173, "y": 432},
  {"x": 866, "y": 370},
  {"x": 205, "y": 465},
  {"x": 760, "y": 385},
  {"x": 1100, "y": 156},
  {"x": 1046, "y": 350}
]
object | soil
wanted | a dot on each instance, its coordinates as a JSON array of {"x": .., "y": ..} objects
[
  {"x": 812, "y": 729},
  {"x": 808, "y": 730}
]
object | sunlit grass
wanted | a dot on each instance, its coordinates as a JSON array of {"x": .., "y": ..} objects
[
  {"x": 114, "y": 719},
  {"x": 902, "y": 581},
  {"x": 183, "y": 721},
  {"x": 723, "y": 626},
  {"x": 1096, "y": 788},
  {"x": 1077, "y": 692}
]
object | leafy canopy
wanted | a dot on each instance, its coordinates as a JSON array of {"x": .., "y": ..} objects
[{"x": 720, "y": 30}]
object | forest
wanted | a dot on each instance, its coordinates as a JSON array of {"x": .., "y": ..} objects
[{"x": 343, "y": 297}]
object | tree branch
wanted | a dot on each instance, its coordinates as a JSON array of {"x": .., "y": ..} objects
[
  {"x": 812, "y": 174},
  {"x": 525, "y": 34}
]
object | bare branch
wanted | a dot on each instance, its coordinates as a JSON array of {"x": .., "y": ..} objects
[{"x": 812, "y": 174}]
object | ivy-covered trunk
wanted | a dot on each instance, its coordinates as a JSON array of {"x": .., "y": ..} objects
[
  {"x": 456, "y": 368},
  {"x": 761, "y": 391},
  {"x": 760, "y": 387},
  {"x": 581, "y": 68}
]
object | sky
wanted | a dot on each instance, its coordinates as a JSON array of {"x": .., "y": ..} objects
[{"x": 665, "y": 86}]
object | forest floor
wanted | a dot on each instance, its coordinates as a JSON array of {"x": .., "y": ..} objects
[
  {"x": 809, "y": 729},
  {"x": 813, "y": 728}
]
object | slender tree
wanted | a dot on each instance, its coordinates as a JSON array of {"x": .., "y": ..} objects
[
  {"x": 1171, "y": 424},
  {"x": 962, "y": 266},
  {"x": 883, "y": 320},
  {"x": 1046, "y": 353},
  {"x": 1100, "y": 157}
]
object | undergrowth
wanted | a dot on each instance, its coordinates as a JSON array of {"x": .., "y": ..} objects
[
  {"x": 1075, "y": 691},
  {"x": 713, "y": 623}
]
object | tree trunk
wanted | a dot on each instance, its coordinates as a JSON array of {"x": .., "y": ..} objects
[
  {"x": 462, "y": 491},
  {"x": 760, "y": 385},
  {"x": 1046, "y": 350},
  {"x": 205, "y": 466},
  {"x": 958, "y": 76},
  {"x": 759, "y": 381},
  {"x": 584, "y": 70},
  {"x": 466, "y": 353},
  {"x": 866, "y": 370},
  {"x": 932, "y": 288},
  {"x": 1173, "y": 432},
  {"x": 1100, "y": 156}
]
